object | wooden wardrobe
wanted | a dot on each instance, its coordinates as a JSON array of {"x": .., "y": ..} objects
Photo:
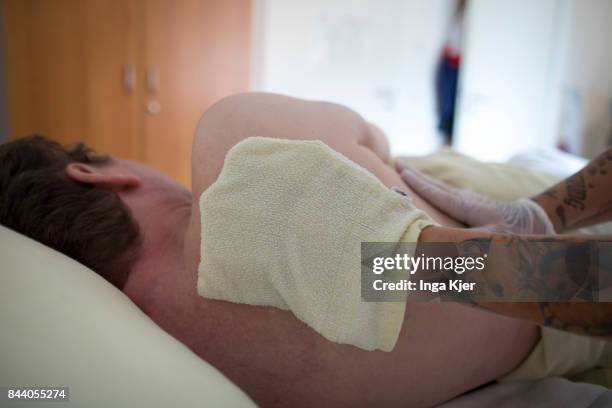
[{"x": 128, "y": 77}]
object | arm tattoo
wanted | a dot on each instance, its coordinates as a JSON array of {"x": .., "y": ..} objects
[
  {"x": 576, "y": 192},
  {"x": 561, "y": 278},
  {"x": 583, "y": 198}
]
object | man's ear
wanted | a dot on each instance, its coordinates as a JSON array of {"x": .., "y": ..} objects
[{"x": 108, "y": 178}]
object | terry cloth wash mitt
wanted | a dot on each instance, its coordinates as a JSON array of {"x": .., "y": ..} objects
[{"x": 282, "y": 226}]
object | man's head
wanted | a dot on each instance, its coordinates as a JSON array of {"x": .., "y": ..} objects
[{"x": 64, "y": 198}]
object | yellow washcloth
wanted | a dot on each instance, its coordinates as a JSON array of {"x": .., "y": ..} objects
[{"x": 283, "y": 225}]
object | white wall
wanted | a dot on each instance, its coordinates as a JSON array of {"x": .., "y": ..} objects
[
  {"x": 535, "y": 73},
  {"x": 510, "y": 64},
  {"x": 375, "y": 56},
  {"x": 586, "y": 87}
]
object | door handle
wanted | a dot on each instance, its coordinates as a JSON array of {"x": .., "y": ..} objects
[
  {"x": 152, "y": 79},
  {"x": 129, "y": 78}
]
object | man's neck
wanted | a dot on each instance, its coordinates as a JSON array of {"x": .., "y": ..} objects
[{"x": 163, "y": 219}]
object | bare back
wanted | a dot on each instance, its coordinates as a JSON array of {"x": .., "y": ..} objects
[{"x": 280, "y": 361}]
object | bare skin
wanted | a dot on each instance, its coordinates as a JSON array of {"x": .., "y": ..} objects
[
  {"x": 443, "y": 350},
  {"x": 570, "y": 267},
  {"x": 559, "y": 277}
]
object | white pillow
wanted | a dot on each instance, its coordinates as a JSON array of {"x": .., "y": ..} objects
[{"x": 63, "y": 325}]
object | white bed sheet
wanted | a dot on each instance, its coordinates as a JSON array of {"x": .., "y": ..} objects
[{"x": 550, "y": 392}]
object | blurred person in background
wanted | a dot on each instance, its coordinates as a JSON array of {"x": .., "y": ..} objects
[{"x": 447, "y": 74}]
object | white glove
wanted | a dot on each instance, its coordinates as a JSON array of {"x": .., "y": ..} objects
[{"x": 522, "y": 216}]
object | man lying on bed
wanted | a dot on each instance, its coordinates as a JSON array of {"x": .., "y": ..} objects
[{"x": 141, "y": 231}]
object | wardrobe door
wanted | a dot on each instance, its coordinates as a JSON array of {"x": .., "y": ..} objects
[
  {"x": 196, "y": 52},
  {"x": 72, "y": 70}
]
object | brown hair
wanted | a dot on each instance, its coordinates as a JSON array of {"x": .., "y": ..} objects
[{"x": 87, "y": 223}]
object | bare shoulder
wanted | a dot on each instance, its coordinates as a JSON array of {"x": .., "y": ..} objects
[{"x": 238, "y": 117}]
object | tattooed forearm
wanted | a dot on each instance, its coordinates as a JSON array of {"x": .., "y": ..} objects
[
  {"x": 583, "y": 198},
  {"x": 529, "y": 268},
  {"x": 576, "y": 193},
  {"x": 563, "y": 282}
]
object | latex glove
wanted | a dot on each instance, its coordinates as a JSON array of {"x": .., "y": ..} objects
[{"x": 522, "y": 216}]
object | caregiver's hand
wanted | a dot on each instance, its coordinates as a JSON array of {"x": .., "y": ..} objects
[{"x": 522, "y": 216}]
